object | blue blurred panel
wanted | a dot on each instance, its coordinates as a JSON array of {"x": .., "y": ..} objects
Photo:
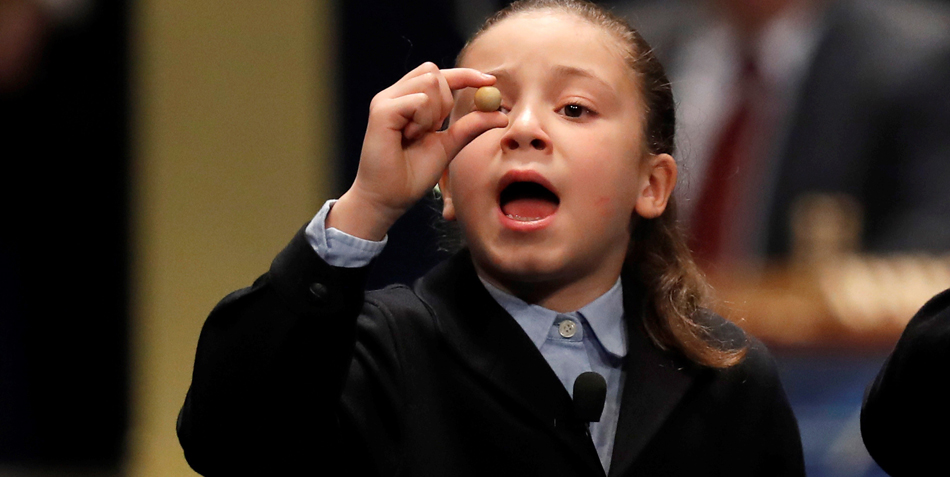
[{"x": 825, "y": 390}]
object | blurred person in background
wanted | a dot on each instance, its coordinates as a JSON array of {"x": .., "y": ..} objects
[{"x": 780, "y": 99}]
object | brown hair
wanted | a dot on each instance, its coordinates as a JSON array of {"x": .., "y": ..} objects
[{"x": 676, "y": 290}]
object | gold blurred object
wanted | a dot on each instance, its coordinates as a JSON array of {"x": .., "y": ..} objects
[
  {"x": 487, "y": 99},
  {"x": 824, "y": 226},
  {"x": 828, "y": 294}
]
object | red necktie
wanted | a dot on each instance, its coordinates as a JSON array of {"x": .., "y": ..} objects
[{"x": 714, "y": 212}]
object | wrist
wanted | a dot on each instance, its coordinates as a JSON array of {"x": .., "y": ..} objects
[{"x": 360, "y": 217}]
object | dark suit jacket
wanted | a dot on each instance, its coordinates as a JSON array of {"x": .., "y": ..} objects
[
  {"x": 873, "y": 121},
  {"x": 300, "y": 373},
  {"x": 871, "y": 118},
  {"x": 906, "y": 413}
]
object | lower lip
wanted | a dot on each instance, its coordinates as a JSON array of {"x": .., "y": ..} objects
[{"x": 524, "y": 226}]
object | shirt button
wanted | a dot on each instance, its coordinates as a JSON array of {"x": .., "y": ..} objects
[{"x": 567, "y": 328}]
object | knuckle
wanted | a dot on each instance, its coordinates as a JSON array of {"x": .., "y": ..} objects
[
  {"x": 431, "y": 80},
  {"x": 375, "y": 102},
  {"x": 424, "y": 100},
  {"x": 448, "y": 100}
]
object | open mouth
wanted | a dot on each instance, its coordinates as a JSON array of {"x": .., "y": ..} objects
[{"x": 528, "y": 201}]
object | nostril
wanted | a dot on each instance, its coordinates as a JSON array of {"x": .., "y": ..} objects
[
  {"x": 511, "y": 144},
  {"x": 537, "y": 144}
]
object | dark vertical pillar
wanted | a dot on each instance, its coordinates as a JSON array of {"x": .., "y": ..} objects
[{"x": 63, "y": 250}]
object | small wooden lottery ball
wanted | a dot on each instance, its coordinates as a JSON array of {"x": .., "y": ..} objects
[{"x": 487, "y": 99}]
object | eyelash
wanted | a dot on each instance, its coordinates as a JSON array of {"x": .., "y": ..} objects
[{"x": 583, "y": 110}]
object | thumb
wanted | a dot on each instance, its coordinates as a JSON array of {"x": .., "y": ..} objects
[{"x": 468, "y": 127}]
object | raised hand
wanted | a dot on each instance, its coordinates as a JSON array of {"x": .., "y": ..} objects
[{"x": 404, "y": 153}]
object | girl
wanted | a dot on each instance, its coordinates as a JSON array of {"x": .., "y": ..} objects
[{"x": 572, "y": 264}]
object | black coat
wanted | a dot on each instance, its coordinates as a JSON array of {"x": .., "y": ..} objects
[
  {"x": 906, "y": 411},
  {"x": 442, "y": 381}
]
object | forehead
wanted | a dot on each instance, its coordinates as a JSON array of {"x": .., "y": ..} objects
[{"x": 551, "y": 39}]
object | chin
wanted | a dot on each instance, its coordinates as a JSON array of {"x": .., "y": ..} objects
[{"x": 523, "y": 265}]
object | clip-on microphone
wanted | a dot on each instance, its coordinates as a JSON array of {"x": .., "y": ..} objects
[{"x": 590, "y": 392}]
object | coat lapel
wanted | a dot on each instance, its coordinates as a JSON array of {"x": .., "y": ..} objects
[
  {"x": 492, "y": 344},
  {"x": 654, "y": 383}
]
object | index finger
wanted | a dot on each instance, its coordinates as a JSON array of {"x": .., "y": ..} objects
[{"x": 459, "y": 78}]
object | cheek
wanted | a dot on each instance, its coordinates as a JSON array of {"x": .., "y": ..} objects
[
  {"x": 481, "y": 148},
  {"x": 605, "y": 207},
  {"x": 608, "y": 209},
  {"x": 466, "y": 181},
  {"x": 468, "y": 171},
  {"x": 612, "y": 191}
]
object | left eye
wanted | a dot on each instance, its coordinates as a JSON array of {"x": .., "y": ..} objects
[{"x": 575, "y": 110}]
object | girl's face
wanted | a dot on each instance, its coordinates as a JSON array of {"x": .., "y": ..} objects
[{"x": 545, "y": 204}]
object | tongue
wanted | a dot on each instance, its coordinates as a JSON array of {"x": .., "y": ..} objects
[{"x": 528, "y": 209}]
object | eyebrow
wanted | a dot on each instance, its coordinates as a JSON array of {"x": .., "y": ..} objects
[
  {"x": 569, "y": 71},
  {"x": 500, "y": 73},
  {"x": 560, "y": 71}
]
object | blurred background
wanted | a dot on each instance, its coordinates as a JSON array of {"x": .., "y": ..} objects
[{"x": 158, "y": 154}]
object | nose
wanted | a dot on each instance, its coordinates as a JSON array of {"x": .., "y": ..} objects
[{"x": 525, "y": 130}]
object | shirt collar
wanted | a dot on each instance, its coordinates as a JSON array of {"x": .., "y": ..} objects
[{"x": 604, "y": 315}]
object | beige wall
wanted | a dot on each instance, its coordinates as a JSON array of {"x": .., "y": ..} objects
[{"x": 230, "y": 158}]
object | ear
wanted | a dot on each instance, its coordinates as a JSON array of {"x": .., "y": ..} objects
[
  {"x": 448, "y": 209},
  {"x": 657, "y": 178}
]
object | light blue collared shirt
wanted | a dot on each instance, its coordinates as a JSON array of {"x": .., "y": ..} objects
[{"x": 598, "y": 342}]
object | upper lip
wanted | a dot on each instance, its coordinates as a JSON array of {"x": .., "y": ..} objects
[{"x": 525, "y": 175}]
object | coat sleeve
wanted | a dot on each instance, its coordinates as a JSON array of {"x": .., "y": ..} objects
[
  {"x": 905, "y": 416},
  {"x": 271, "y": 364},
  {"x": 764, "y": 435},
  {"x": 777, "y": 431}
]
